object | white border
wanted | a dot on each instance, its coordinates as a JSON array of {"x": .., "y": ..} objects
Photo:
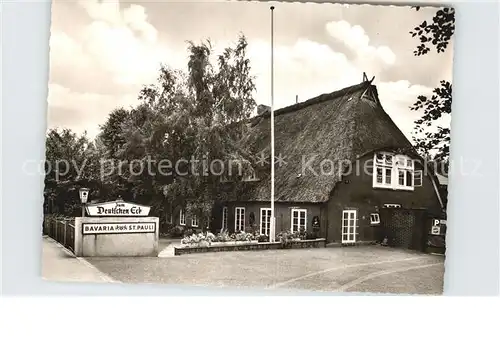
[{"x": 472, "y": 261}]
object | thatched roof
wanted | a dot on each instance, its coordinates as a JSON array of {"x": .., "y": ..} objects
[{"x": 334, "y": 127}]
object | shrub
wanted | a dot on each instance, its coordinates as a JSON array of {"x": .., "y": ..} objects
[
  {"x": 177, "y": 232},
  {"x": 262, "y": 238},
  {"x": 287, "y": 237}
]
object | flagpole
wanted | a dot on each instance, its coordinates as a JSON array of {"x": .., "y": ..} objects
[{"x": 272, "y": 236}]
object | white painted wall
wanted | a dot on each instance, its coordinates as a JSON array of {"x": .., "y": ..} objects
[{"x": 116, "y": 244}]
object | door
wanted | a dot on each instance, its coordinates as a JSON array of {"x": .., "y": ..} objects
[
  {"x": 265, "y": 221},
  {"x": 349, "y": 225},
  {"x": 239, "y": 219}
]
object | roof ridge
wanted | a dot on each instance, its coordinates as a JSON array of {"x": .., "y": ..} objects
[{"x": 317, "y": 99}]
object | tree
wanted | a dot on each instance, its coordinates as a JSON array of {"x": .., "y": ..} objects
[
  {"x": 436, "y": 34},
  {"x": 197, "y": 114},
  {"x": 71, "y": 163}
]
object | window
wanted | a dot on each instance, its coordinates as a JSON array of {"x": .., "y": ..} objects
[
  {"x": 349, "y": 225},
  {"x": 265, "y": 221},
  {"x": 224, "y": 218},
  {"x": 383, "y": 164},
  {"x": 392, "y": 171},
  {"x": 417, "y": 178},
  {"x": 239, "y": 219},
  {"x": 194, "y": 221},
  {"x": 374, "y": 218},
  {"x": 182, "y": 217},
  {"x": 299, "y": 220}
]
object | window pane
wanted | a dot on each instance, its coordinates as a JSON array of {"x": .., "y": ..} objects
[
  {"x": 417, "y": 176},
  {"x": 401, "y": 180},
  {"x": 379, "y": 176},
  {"x": 388, "y": 159},
  {"x": 387, "y": 176},
  {"x": 409, "y": 178}
]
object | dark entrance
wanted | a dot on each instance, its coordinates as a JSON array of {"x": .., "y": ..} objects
[{"x": 405, "y": 228}]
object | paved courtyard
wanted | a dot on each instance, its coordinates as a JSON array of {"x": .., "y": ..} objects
[{"x": 350, "y": 269}]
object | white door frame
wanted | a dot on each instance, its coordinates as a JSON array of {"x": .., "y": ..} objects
[
  {"x": 349, "y": 226},
  {"x": 239, "y": 214},
  {"x": 267, "y": 211},
  {"x": 299, "y": 211}
]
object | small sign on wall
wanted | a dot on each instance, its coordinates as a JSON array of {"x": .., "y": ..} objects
[
  {"x": 438, "y": 227},
  {"x": 437, "y": 222},
  {"x": 119, "y": 228}
]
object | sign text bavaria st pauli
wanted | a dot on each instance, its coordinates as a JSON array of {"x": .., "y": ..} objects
[
  {"x": 119, "y": 228},
  {"x": 117, "y": 208}
]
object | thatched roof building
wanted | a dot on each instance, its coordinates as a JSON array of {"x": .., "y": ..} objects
[{"x": 334, "y": 128}]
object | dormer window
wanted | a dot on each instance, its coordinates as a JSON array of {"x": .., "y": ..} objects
[{"x": 393, "y": 171}]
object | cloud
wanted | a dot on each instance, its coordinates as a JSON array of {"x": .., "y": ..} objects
[
  {"x": 133, "y": 16},
  {"x": 309, "y": 68},
  {"x": 117, "y": 46},
  {"x": 396, "y": 99},
  {"x": 90, "y": 109},
  {"x": 118, "y": 41},
  {"x": 66, "y": 52},
  {"x": 356, "y": 39},
  {"x": 127, "y": 49}
]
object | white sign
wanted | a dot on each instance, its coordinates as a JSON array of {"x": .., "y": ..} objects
[
  {"x": 438, "y": 222},
  {"x": 118, "y": 209},
  {"x": 435, "y": 230},
  {"x": 85, "y": 196},
  {"x": 119, "y": 228}
]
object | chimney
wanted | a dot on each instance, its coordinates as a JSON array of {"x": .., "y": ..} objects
[
  {"x": 296, "y": 99},
  {"x": 261, "y": 109}
]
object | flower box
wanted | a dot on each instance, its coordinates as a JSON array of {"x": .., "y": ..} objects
[
  {"x": 249, "y": 246},
  {"x": 226, "y": 243}
]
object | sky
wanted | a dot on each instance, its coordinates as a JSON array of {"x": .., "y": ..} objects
[{"x": 102, "y": 53}]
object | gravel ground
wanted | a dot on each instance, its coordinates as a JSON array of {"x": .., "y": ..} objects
[{"x": 352, "y": 269}]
